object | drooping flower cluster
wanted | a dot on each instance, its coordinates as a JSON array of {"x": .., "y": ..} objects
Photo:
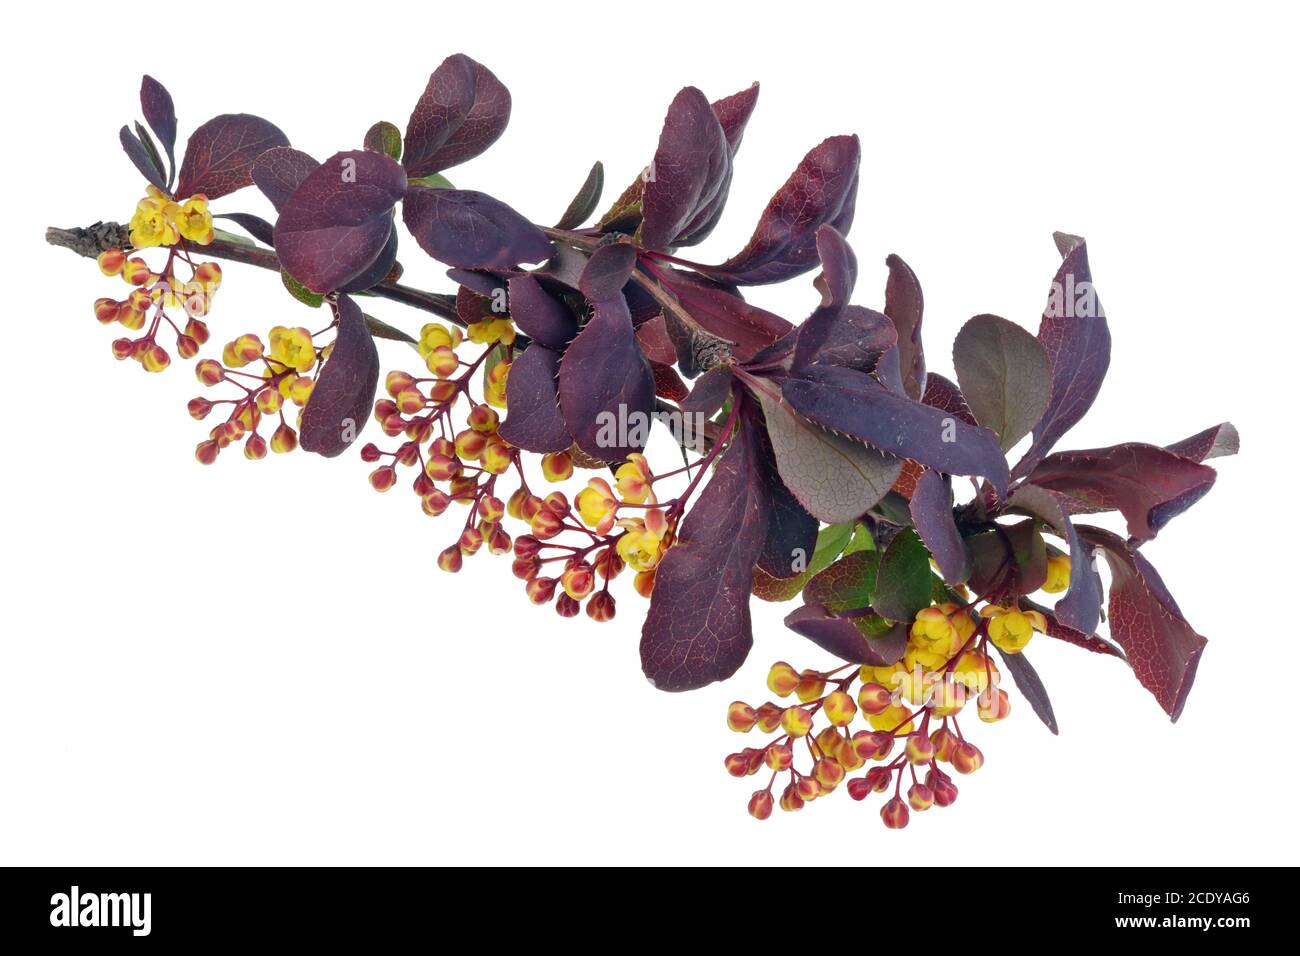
[{"x": 911, "y": 709}]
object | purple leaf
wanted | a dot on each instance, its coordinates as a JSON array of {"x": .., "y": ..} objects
[
  {"x": 698, "y": 629},
  {"x": 1074, "y": 333},
  {"x": 791, "y": 531},
  {"x": 1214, "y": 442},
  {"x": 710, "y": 392},
  {"x": 1031, "y": 687},
  {"x": 584, "y": 203},
  {"x": 943, "y": 394},
  {"x": 822, "y": 190},
  {"x": 1145, "y": 621},
  {"x": 855, "y": 404},
  {"x": 1004, "y": 376},
  {"x": 338, "y": 221},
  {"x": 136, "y": 152},
  {"x": 1080, "y": 607},
  {"x": 463, "y": 110},
  {"x": 1149, "y": 485},
  {"x": 533, "y": 421},
  {"x": 733, "y": 114},
  {"x": 340, "y": 403},
  {"x": 373, "y": 274},
  {"x": 839, "y": 268},
  {"x": 834, "y": 478},
  {"x": 279, "y": 171},
  {"x": 255, "y": 226},
  {"x": 471, "y": 230},
  {"x": 852, "y": 639},
  {"x": 219, "y": 155},
  {"x": 1060, "y": 632},
  {"x": 931, "y": 508},
  {"x": 607, "y": 390},
  {"x": 727, "y": 315},
  {"x": 690, "y": 175},
  {"x": 540, "y": 316},
  {"x": 905, "y": 305},
  {"x": 160, "y": 114},
  {"x": 607, "y": 271},
  {"x": 1007, "y": 561},
  {"x": 849, "y": 337}
]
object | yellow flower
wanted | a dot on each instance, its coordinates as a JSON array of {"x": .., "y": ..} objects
[
  {"x": 192, "y": 219},
  {"x": 1011, "y": 628},
  {"x": 596, "y": 504},
  {"x": 933, "y": 630},
  {"x": 1058, "y": 574},
  {"x": 150, "y": 226},
  {"x": 491, "y": 331},
  {"x": 633, "y": 480},
  {"x": 638, "y": 547},
  {"x": 434, "y": 336},
  {"x": 292, "y": 348}
]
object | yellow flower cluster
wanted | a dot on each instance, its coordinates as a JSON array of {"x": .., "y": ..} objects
[{"x": 160, "y": 220}]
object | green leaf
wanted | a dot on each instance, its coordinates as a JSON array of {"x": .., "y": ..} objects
[
  {"x": 903, "y": 583},
  {"x": 433, "y": 181},
  {"x": 831, "y": 541},
  {"x": 300, "y": 291},
  {"x": 834, "y": 478},
  {"x": 1004, "y": 375},
  {"x": 384, "y": 138},
  {"x": 846, "y": 585},
  {"x": 233, "y": 237}
]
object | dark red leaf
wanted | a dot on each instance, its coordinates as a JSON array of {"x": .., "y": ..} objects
[
  {"x": 733, "y": 113},
  {"x": 1074, "y": 333},
  {"x": 219, "y": 155},
  {"x": 839, "y": 268},
  {"x": 822, "y": 190},
  {"x": 727, "y": 315},
  {"x": 1031, "y": 687},
  {"x": 698, "y": 628},
  {"x": 850, "y": 639},
  {"x": 340, "y": 402},
  {"x": 1149, "y": 485},
  {"x": 139, "y": 156},
  {"x": 584, "y": 203},
  {"x": 160, "y": 114},
  {"x": 533, "y": 421},
  {"x": 905, "y": 305},
  {"x": 463, "y": 110},
  {"x": 652, "y": 335},
  {"x": 375, "y": 273},
  {"x": 540, "y": 316},
  {"x": 1160, "y": 645},
  {"x": 690, "y": 175},
  {"x": 944, "y": 394},
  {"x": 471, "y": 230},
  {"x": 668, "y": 384},
  {"x": 931, "y": 508},
  {"x": 1080, "y": 607},
  {"x": 279, "y": 171},
  {"x": 855, "y": 404},
  {"x": 338, "y": 221},
  {"x": 607, "y": 390},
  {"x": 607, "y": 271},
  {"x": 1214, "y": 442}
]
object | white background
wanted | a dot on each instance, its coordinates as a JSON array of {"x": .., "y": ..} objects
[{"x": 259, "y": 662}]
